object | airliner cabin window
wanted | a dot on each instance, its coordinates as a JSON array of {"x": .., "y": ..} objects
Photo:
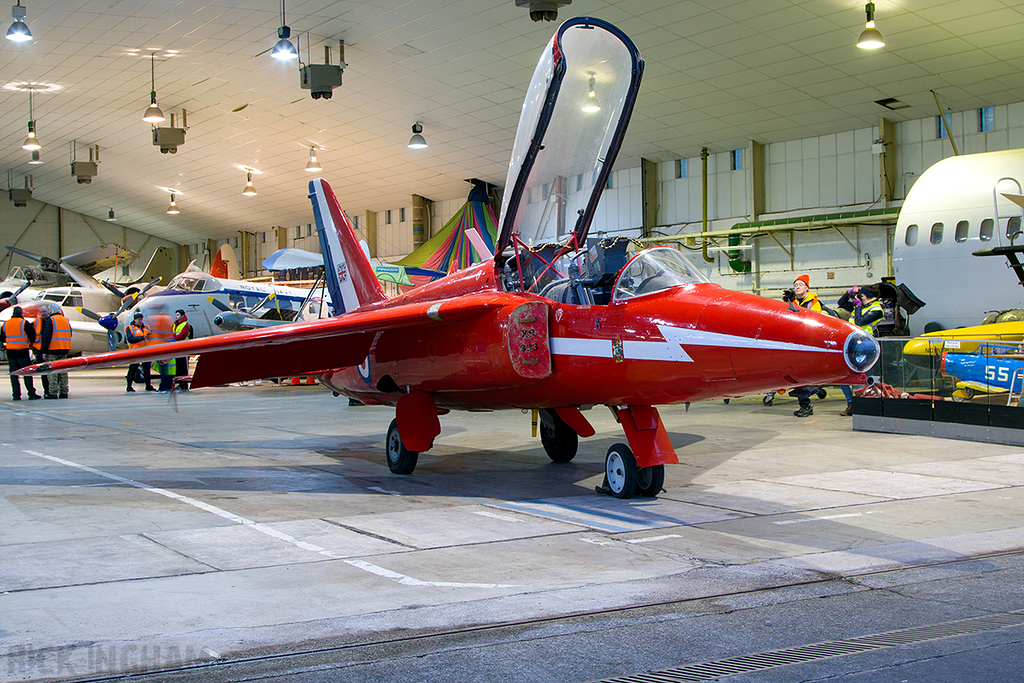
[
  {"x": 961, "y": 231},
  {"x": 936, "y": 236},
  {"x": 1012, "y": 228},
  {"x": 987, "y": 226},
  {"x": 911, "y": 238}
]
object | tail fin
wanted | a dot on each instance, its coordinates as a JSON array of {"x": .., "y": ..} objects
[
  {"x": 349, "y": 275},
  {"x": 161, "y": 265}
]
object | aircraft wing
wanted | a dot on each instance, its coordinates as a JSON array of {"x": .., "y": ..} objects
[
  {"x": 98, "y": 259},
  {"x": 286, "y": 350}
]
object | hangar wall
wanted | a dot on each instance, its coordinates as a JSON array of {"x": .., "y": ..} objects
[{"x": 38, "y": 228}]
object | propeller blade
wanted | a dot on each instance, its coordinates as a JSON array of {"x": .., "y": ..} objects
[
  {"x": 87, "y": 313},
  {"x": 127, "y": 302},
  {"x": 219, "y": 304},
  {"x": 13, "y": 298},
  {"x": 150, "y": 286},
  {"x": 113, "y": 290}
]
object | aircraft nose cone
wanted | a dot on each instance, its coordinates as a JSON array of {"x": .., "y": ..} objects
[
  {"x": 861, "y": 351},
  {"x": 108, "y": 322},
  {"x": 218, "y": 320}
]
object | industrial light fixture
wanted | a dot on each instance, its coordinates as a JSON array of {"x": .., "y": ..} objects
[
  {"x": 152, "y": 113},
  {"x": 284, "y": 49},
  {"x": 18, "y": 32},
  {"x": 417, "y": 141},
  {"x": 249, "y": 190},
  {"x": 313, "y": 165},
  {"x": 870, "y": 38},
  {"x": 591, "y": 104},
  {"x": 173, "y": 208},
  {"x": 35, "y": 160},
  {"x": 110, "y": 216},
  {"x": 31, "y": 142}
]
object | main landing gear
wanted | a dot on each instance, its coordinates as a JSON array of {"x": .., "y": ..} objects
[
  {"x": 560, "y": 441},
  {"x": 400, "y": 459},
  {"x": 624, "y": 479}
]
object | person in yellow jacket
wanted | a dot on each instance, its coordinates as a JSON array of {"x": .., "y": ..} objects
[
  {"x": 137, "y": 334},
  {"x": 804, "y": 296},
  {"x": 18, "y": 335},
  {"x": 54, "y": 344}
]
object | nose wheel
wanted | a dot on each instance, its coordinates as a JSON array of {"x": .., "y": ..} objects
[
  {"x": 400, "y": 459},
  {"x": 623, "y": 479}
]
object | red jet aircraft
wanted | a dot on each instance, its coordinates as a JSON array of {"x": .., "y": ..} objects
[{"x": 553, "y": 322}]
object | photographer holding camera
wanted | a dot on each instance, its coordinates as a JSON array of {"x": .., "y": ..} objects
[
  {"x": 867, "y": 313},
  {"x": 802, "y": 294}
]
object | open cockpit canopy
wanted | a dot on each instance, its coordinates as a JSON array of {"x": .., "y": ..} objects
[{"x": 572, "y": 125}]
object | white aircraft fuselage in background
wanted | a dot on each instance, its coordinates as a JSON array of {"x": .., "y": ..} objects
[{"x": 958, "y": 207}]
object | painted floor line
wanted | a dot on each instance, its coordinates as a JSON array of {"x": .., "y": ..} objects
[{"x": 262, "y": 528}]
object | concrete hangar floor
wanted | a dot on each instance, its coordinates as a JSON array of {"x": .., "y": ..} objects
[{"x": 255, "y": 532}]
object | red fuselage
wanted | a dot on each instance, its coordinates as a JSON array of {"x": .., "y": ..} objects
[{"x": 687, "y": 343}]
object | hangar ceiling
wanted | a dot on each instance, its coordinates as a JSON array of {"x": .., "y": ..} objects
[{"x": 718, "y": 72}]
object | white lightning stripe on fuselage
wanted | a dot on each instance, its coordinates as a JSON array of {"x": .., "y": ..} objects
[{"x": 672, "y": 348}]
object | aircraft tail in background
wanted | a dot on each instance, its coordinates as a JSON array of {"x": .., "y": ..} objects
[
  {"x": 161, "y": 265},
  {"x": 349, "y": 275}
]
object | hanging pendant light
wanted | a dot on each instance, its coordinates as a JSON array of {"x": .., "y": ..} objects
[
  {"x": 173, "y": 208},
  {"x": 35, "y": 160},
  {"x": 417, "y": 141},
  {"x": 110, "y": 216},
  {"x": 31, "y": 142},
  {"x": 313, "y": 165},
  {"x": 250, "y": 190},
  {"x": 18, "y": 32},
  {"x": 591, "y": 104},
  {"x": 153, "y": 114},
  {"x": 870, "y": 38},
  {"x": 284, "y": 49}
]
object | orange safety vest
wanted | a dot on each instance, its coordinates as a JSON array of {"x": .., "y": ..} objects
[
  {"x": 138, "y": 331},
  {"x": 162, "y": 330},
  {"x": 17, "y": 337},
  {"x": 60, "y": 338}
]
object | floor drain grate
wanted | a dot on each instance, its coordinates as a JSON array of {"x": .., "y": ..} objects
[{"x": 732, "y": 666}]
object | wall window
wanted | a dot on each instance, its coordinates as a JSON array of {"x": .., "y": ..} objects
[
  {"x": 387, "y": 217},
  {"x": 961, "y": 231},
  {"x": 940, "y": 128},
  {"x": 236, "y": 243},
  {"x": 298, "y": 232},
  {"x": 986, "y": 119},
  {"x": 682, "y": 168},
  {"x": 936, "y": 236},
  {"x": 579, "y": 183},
  {"x": 309, "y": 229},
  {"x": 263, "y": 238},
  {"x": 987, "y": 229},
  {"x": 609, "y": 185},
  {"x": 911, "y": 237},
  {"x": 356, "y": 222},
  {"x": 401, "y": 215},
  {"x": 736, "y": 159}
]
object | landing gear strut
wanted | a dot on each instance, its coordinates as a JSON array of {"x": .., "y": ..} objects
[
  {"x": 624, "y": 479},
  {"x": 400, "y": 459}
]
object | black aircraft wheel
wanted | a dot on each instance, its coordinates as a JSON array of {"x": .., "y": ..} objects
[
  {"x": 650, "y": 480},
  {"x": 768, "y": 399},
  {"x": 400, "y": 459},
  {"x": 822, "y": 393},
  {"x": 560, "y": 441},
  {"x": 620, "y": 471},
  {"x": 725, "y": 401}
]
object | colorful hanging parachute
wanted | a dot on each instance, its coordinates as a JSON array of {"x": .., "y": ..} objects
[{"x": 450, "y": 249}]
